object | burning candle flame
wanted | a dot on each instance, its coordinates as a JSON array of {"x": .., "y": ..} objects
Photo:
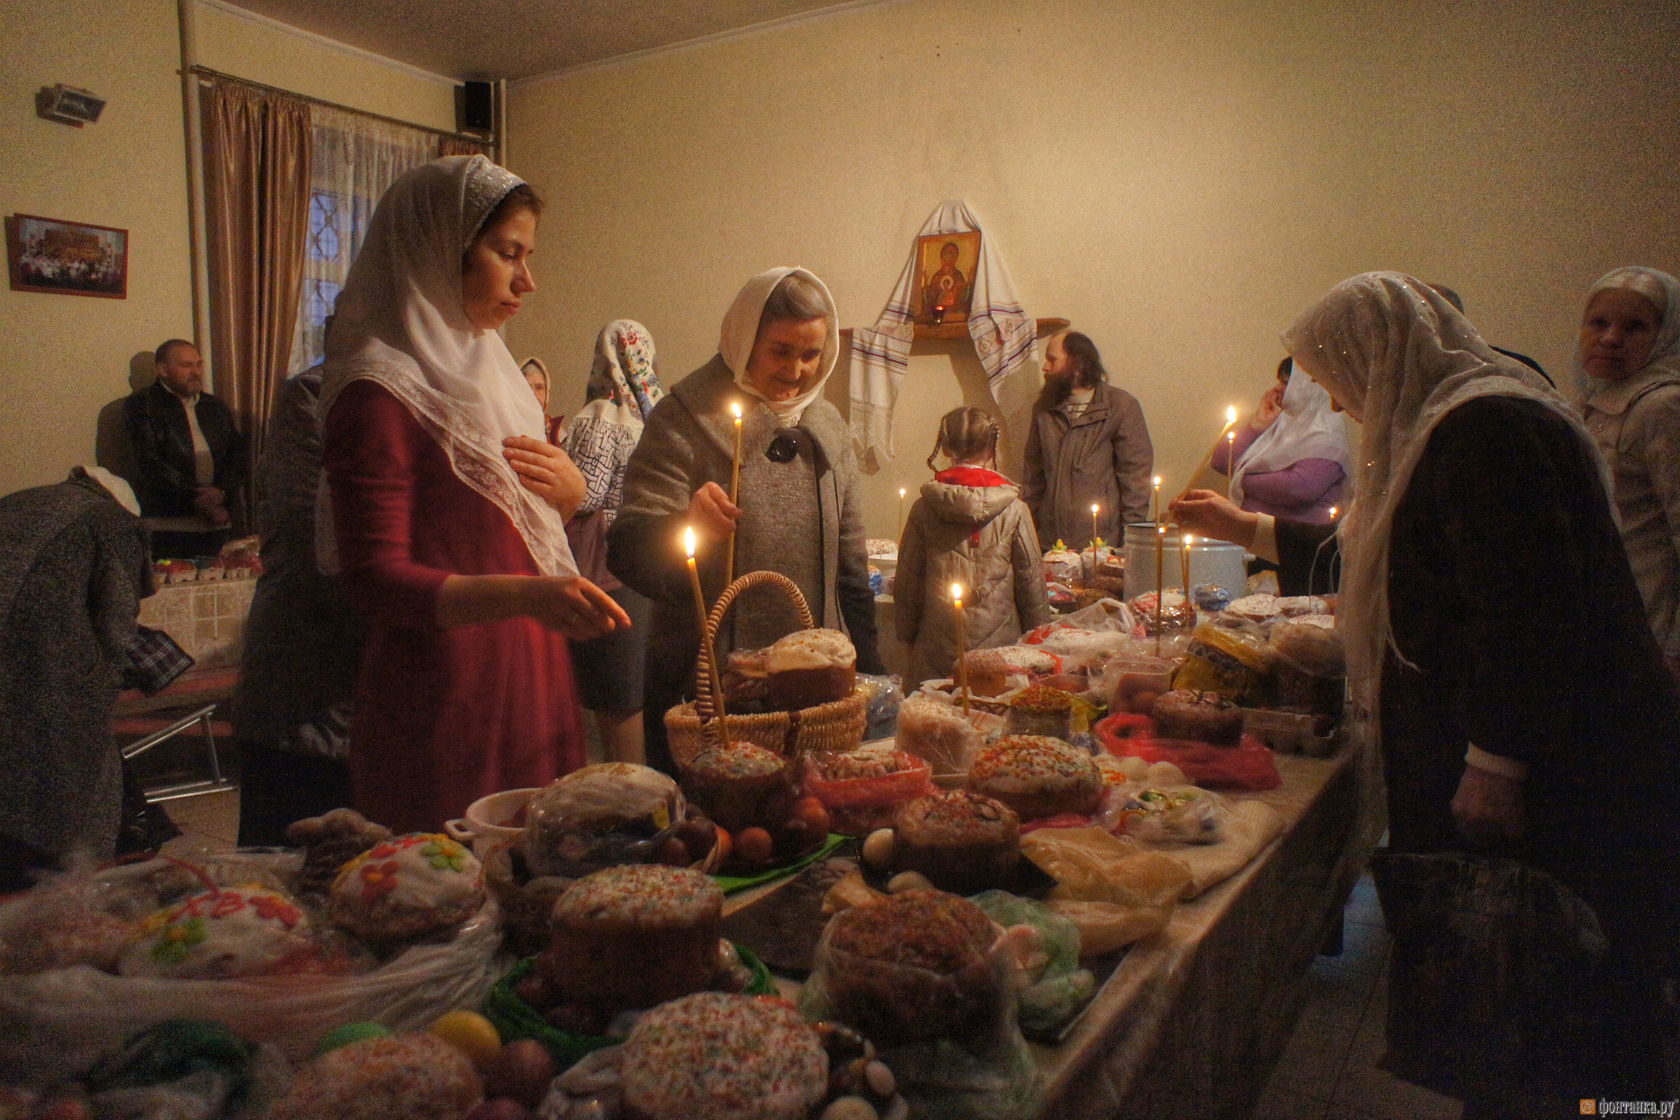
[
  {"x": 688, "y": 541},
  {"x": 956, "y": 593},
  {"x": 735, "y": 410},
  {"x": 1230, "y": 414}
]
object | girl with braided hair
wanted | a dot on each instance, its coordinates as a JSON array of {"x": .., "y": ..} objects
[{"x": 969, "y": 527}]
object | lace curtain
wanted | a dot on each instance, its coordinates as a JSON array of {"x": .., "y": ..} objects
[{"x": 354, "y": 160}]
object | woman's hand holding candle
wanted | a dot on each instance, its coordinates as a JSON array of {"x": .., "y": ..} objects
[
  {"x": 1212, "y": 515},
  {"x": 712, "y": 513}
]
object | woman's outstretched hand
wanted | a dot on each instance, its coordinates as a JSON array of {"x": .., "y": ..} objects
[
  {"x": 546, "y": 471},
  {"x": 574, "y": 606},
  {"x": 711, "y": 513},
  {"x": 1208, "y": 514}
]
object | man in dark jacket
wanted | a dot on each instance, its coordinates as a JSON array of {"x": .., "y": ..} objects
[{"x": 189, "y": 456}]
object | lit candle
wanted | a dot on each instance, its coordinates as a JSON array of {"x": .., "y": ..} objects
[
  {"x": 1230, "y": 452},
  {"x": 962, "y": 645},
  {"x": 1155, "y": 511},
  {"x": 700, "y": 617},
  {"x": 1094, "y": 508},
  {"x": 734, "y": 491},
  {"x": 1332, "y": 514},
  {"x": 1184, "y": 542},
  {"x": 901, "y": 493},
  {"x": 1160, "y": 589}
]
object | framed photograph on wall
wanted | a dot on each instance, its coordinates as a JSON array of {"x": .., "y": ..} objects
[
  {"x": 66, "y": 258},
  {"x": 945, "y": 264}
]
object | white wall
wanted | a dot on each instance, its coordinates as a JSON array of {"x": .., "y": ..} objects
[
  {"x": 1180, "y": 181},
  {"x": 71, "y": 355},
  {"x": 238, "y": 42}
]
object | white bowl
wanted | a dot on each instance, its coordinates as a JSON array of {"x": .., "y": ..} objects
[{"x": 483, "y": 827}]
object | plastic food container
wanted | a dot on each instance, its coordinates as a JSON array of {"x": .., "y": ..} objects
[{"x": 1217, "y": 562}]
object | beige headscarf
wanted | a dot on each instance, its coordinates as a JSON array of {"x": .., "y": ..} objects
[
  {"x": 740, "y": 331},
  {"x": 1663, "y": 291},
  {"x": 400, "y": 322},
  {"x": 1399, "y": 357}
]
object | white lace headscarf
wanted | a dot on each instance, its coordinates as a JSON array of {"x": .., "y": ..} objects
[
  {"x": 1308, "y": 428},
  {"x": 1663, "y": 291},
  {"x": 1398, "y": 357},
  {"x": 400, "y": 322},
  {"x": 740, "y": 331}
]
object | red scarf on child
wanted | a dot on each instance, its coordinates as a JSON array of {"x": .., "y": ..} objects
[{"x": 971, "y": 476}]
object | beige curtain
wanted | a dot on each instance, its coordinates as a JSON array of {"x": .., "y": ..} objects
[
  {"x": 256, "y": 193},
  {"x": 460, "y": 146}
]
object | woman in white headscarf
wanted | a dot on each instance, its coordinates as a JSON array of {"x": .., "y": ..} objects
[
  {"x": 799, "y": 512},
  {"x": 1292, "y": 455},
  {"x": 623, "y": 388},
  {"x": 1629, "y": 362},
  {"x": 1494, "y": 627},
  {"x": 447, "y": 506}
]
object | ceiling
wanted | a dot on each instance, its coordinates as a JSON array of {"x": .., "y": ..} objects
[{"x": 483, "y": 40}]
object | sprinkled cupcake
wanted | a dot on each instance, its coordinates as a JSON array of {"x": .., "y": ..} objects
[
  {"x": 1037, "y": 776},
  {"x": 713, "y": 1056}
]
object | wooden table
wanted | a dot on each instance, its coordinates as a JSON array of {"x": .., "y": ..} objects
[{"x": 1192, "y": 1020}]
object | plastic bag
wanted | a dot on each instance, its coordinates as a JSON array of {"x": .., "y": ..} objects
[
  {"x": 1166, "y": 814},
  {"x": 885, "y": 694},
  {"x": 861, "y": 789},
  {"x": 935, "y": 729},
  {"x": 1053, "y": 987},
  {"x": 1249, "y": 765},
  {"x": 1229, "y": 660},
  {"x": 63, "y": 1019},
  {"x": 950, "y": 1037},
  {"x": 1115, "y": 892}
]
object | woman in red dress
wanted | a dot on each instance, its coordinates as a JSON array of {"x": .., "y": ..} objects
[{"x": 447, "y": 506}]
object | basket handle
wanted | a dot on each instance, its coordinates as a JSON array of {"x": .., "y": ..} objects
[{"x": 704, "y": 704}]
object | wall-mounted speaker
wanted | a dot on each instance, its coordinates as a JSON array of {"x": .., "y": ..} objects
[
  {"x": 478, "y": 107},
  {"x": 68, "y": 105}
]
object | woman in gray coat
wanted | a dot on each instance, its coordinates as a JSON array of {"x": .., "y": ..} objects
[
  {"x": 73, "y": 569},
  {"x": 799, "y": 512},
  {"x": 1088, "y": 444}
]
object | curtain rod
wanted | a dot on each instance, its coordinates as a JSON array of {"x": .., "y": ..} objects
[{"x": 206, "y": 72}]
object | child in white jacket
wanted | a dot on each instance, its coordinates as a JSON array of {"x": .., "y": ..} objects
[{"x": 969, "y": 527}]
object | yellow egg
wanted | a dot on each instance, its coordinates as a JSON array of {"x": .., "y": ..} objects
[{"x": 471, "y": 1032}]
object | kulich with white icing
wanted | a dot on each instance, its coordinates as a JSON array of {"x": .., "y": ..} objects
[
  {"x": 407, "y": 888},
  {"x": 811, "y": 667},
  {"x": 221, "y": 933}
]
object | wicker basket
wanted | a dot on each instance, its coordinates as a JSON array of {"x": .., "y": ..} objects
[{"x": 692, "y": 727}]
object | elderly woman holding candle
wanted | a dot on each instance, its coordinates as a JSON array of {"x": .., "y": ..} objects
[
  {"x": 1494, "y": 626},
  {"x": 1629, "y": 356},
  {"x": 798, "y": 511},
  {"x": 1290, "y": 459}
]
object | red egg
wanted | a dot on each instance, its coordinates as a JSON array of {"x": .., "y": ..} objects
[
  {"x": 499, "y": 1108},
  {"x": 814, "y": 814},
  {"x": 754, "y": 846},
  {"x": 673, "y": 852},
  {"x": 699, "y": 834},
  {"x": 522, "y": 1071}
]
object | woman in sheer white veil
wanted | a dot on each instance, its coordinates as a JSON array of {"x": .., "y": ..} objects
[
  {"x": 447, "y": 506},
  {"x": 1494, "y": 628}
]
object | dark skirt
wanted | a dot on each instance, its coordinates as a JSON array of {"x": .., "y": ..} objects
[{"x": 609, "y": 668}]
